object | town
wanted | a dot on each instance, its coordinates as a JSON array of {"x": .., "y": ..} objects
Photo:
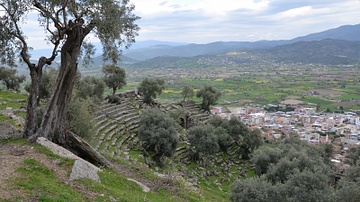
[{"x": 306, "y": 122}]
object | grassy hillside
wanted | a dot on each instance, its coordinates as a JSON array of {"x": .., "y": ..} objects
[
  {"x": 34, "y": 173},
  {"x": 30, "y": 172},
  {"x": 12, "y": 104}
]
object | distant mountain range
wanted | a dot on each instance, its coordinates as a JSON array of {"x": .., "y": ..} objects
[
  {"x": 347, "y": 32},
  {"x": 335, "y": 46}
]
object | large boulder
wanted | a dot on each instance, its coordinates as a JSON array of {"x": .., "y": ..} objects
[
  {"x": 81, "y": 168},
  {"x": 84, "y": 170},
  {"x": 9, "y": 132}
]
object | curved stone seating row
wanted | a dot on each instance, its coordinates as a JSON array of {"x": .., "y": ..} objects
[
  {"x": 108, "y": 107},
  {"x": 109, "y": 122},
  {"x": 116, "y": 126},
  {"x": 120, "y": 144},
  {"x": 117, "y": 138}
]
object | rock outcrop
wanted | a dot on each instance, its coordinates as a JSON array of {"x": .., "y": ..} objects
[{"x": 81, "y": 168}]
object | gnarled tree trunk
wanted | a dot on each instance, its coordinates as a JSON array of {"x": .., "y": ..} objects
[
  {"x": 53, "y": 125},
  {"x": 31, "y": 116},
  {"x": 32, "y": 102}
]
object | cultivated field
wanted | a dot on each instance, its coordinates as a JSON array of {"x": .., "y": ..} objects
[{"x": 333, "y": 87}]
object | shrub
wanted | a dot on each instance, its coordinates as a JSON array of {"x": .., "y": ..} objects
[{"x": 158, "y": 135}]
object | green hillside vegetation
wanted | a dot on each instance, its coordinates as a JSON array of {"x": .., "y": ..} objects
[{"x": 9, "y": 101}]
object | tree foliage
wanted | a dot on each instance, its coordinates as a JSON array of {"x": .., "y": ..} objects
[
  {"x": 209, "y": 95},
  {"x": 90, "y": 87},
  {"x": 264, "y": 157},
  {"x": 203, "y": 139},
  {"x": 46, "y": 85},
  {"x": 255, "y": 190},
  {"x": 245, "y": 138},
  {"x": 348, "y": 188},
  {"x": 223, "y": 137},
  {"x": 80, "y": 116},
  {"x": 150, "y": 89},
  {"x": 158, "y": 134},
  {"x": 234, "y": 131},
  {"x": 114, "y": 77},
  {"x": 291, "y": 171},
  {"x": 11, "y": 80},
  {"x": 87, "y": 87},
  {"x": 187, "y": 92},
  {"x": 307, "y": 186},
  {"x": 354, "y": 155}
]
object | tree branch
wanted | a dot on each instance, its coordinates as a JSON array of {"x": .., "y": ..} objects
[
  {"x": 18, "y": 34},
  {"x": 89, "y": 27}
]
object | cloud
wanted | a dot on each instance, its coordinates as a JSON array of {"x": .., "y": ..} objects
[{"x": 204, "y": 21}]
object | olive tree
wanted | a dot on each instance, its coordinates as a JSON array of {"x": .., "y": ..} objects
[
  {"x": 308, "y": 186},
  {"x": 209, "y": 95},
  {"x": 150, "y": 89},
  {"x": 114, "y": 77},
  {"x": 291, "y": 171},
  {"x": 255, "y": 190},
  {"x": 11, "y": 80},
  {"x": 158, "y": 134},
  {"x": 264, "y": 157},
  {"x": 90, "y": 87},
  {"x": 66, "y": 23},
  {"x": 187, "y": 92},
  {"x": 348, "y": 187},
  {"x": 224, "y": 138},
  {"x": 244, "y": 137},
  {"x": 203, "y": 140},
  {"x": 302, "y": 186}
]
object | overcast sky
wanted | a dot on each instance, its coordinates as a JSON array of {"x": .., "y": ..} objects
[{"x": 203, "y": 21}]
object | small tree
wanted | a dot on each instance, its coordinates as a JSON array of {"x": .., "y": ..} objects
[
  {"x": 354, "y": 155},
  {"x": 80, "y": 116},
  {"x": 46, "y": 85},
  {"x": 158, "y": 135},
  {"x": 348, "y": 187},
  {"x": 308, "y": 186},
  {"x": 90, "y": 87},
  {"x": 223, "y": 137},
  {"x": 264, "y": 157},
  {"x": 114, "y": 77},
  {"x": 187, "y": 92},
  {"x": 150, "y": 89},
  {"x": 255, "y": 189},
  {"x": 203, "y": 139},
  {"x": 244, "y": 137},
  {"x": 221, "y": 132},
  {"x": 10, "y": 79},
  {"x": 209, "y": 95}
]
